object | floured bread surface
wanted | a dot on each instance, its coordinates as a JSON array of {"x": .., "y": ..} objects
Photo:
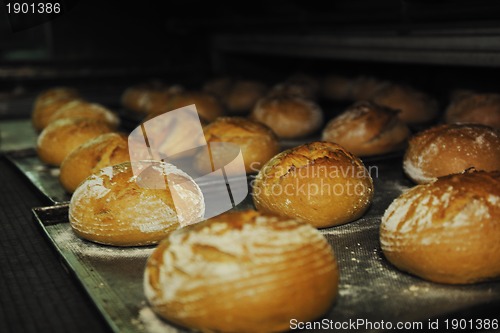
[
  {"x": 63, "y": 136},
  {"x": 474, "y": 108},
  {"x": 257, "y": 142},
  {"x": 448, "y": 149},
  {"x": 319, "y": 182},
  {"x": 115, "y": 207},
  {"x": 82, "y": 109},
  {"x": 48, "y": 102},
  {"x": 105, "y": 150},
  {"x": 242, "y": 272},
  {"x": 366, "y": 129},
  {"x": 288, "y": 116},
  {"x": 446, "y": 231}
]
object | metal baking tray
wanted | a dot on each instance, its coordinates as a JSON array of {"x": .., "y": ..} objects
[
  {"x": 45, "y": 178},
  {"x": 371, "y": 289}
]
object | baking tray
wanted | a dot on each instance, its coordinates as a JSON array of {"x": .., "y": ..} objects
[
  {"x": 45, "y": 178},
  {"x": 370, "y": 288}
]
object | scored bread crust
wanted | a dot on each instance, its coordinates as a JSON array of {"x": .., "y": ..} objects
[
  {"x": 242, "y": 272},
  {"x": 63, "y": 136},
  {"x": 257, "y": 142},
  {"x": 475, "y": 109},
  {"x": 367, "y": 129},
  {"x": 446, "y": 231},
  {"x": 102, "y": 151},
  {"x": 113, "y": 207},
  {"x": 48, "y": 102},
  {"x": 452, "y": 148},
  {"x": 319, "y": 182},
  {"x": 288, "y": 116}
]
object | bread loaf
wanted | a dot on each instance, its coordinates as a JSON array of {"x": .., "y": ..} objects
[
  {"x": 95, "y": 154},
  {"x": 447, "y": 149},
  {"x": 446, "y": 231},
  {"x": 367, "y": 129},
  {"x": 320, "y": 183},
  {"x": 116, "y": 207},
  {"x": 242, "y": 272}
]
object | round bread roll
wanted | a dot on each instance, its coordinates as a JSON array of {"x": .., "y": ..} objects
[
  {"x": 337, "y": 87},
  {"x": 446, "y": 231},
  {"x": 415, "y": 106},
  {"x": 219, "y": 87},
  {"x": 208, "y": 106},
  {"x": 475, "y": 109},
  {"x": 148, "y": 97},
  {"x": 307, "y": 85},
  {"x": 49, "y": 102},
  {"x": 243, "y": 95},
  {"x": 319, "y": 182},
  {"x": 95, "y": 154},
  {"x": 116, "y": 207},
  {"x": 63, "y": 136},
  {"x": 367, "y": 129},
  {"x": 447, "y": 149},
  {"x": 242, "y": 272},
  {"x": 288, "y": 116},
  {"x": 82, "y": 109},
  {"x": 366, "y": 88},
  {"x": 256, "y": 141}
]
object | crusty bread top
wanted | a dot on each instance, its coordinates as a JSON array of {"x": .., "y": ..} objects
[{"x": 455, "y": 202}]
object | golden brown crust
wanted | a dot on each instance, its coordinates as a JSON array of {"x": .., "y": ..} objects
[
  {"x": 447, "y": 149},
  {"x": 446, "y": 231},
  {"x": 367, "y": 129},
  {"x": 319, "y": 182},
  {"x": 474, "y": 108},
  {"x": 111, "y": 207},
  {"x": 288, "y": 116},
  {"x": 256, "y": 141},
  {"x": 63, "y": 136},
  {"x": 48, "y": 102},
  {"x": 82, "y": 109},
  {"x": 218, "y": 275},
  {"x": 415, "y": 106},
  {"x": 102, "y": 151}
]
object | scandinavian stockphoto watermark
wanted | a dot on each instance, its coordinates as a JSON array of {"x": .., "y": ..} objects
[{"x": 176, "y": 140}]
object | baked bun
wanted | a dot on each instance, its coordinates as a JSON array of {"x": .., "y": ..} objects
[
  {"x": 303, "y": 86},
  {"x": 415, "y": 106},
  {"x": 95, "y": 154},
  {"x": 49, "y": 102},
  {"x": 288, "y": 116},
  {"x": 149, "y": 96},
  {"x": 115, "y": 207},
  {"x": 337, "y": 87},
  {"x": 256, "y": 141},
  {"x": 82, "y": 109},
  {"x": 243, "y": 95},
  {"x": 320, "y": 183},
  {"x": 242, "y": 272},
  {"x": 63, "y": 136},
  {"x": 208, "y": 106},
  {"x": 219, "y": 87},
  {"x": 447, "y": 149},
  {"x": 366, "y": 88},
  {"x": 446, "y": 231},
  {"x": 475, "y": 109},
  {"x": 367, "y": 129}
]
